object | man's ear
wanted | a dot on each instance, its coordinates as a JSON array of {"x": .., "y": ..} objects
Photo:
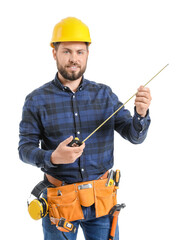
[{"x": 54, "y": 53}]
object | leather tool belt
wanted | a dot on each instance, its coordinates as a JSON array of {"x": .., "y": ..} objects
[{"x": 67, "y": 201}]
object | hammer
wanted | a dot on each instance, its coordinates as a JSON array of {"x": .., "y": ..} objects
[{"x": 115, "y": 213}]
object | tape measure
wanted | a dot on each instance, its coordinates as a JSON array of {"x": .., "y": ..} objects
[
  {"x": 76, "y": 142},
  {"x": 63, "y": 225}
]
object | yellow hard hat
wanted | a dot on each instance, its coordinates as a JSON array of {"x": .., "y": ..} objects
[{"x": 70, "y": 29}]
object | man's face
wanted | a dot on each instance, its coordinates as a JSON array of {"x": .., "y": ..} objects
[{"x": 71, "y": 59}]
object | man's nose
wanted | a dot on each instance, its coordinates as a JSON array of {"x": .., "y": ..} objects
[{"x": 73, "y": 58}]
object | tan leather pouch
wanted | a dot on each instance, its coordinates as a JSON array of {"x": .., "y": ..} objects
[
  {"x": 105, "y": 198},
  {"x": 86, "y": 194},
  {"x": 64, "y": 202}
]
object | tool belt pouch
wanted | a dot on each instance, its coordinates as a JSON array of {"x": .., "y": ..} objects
[
  {"x": 66, "y": 201},
  {"x": 105, "y": 197},
  {"x": 86, "y": 194}
]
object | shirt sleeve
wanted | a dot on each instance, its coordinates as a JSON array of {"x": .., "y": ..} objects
[
  {"x": 30, "y": 136},
  {"x": 133, "y": 129}
]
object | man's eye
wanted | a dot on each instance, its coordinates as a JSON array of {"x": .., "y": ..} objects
[
  {"x": 66, "y": 52},
  {"x": 80, "y": 52}
]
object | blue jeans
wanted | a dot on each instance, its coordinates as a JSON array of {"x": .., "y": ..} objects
[{"x": 93, "y": 228}]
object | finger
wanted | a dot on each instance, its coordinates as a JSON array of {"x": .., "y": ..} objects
[
  {"x": 78, "y": 155},
  {"x": 142, "y": 100},
  {"x": 144, "y": 94},
  {"x": 140, "y": 105},
  {"x": 67, "y": 141},
  {"x": 79, "y": 149},
  {"x": 143, "y": 89},
  {"x": 82, "y": 146}
]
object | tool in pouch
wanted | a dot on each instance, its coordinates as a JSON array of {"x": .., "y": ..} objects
[
  {"x": 76, "y": 142},
  {"x": 113, "y": 179}
]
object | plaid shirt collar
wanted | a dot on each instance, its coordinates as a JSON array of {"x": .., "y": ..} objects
[{"x": 58, "y": 83}]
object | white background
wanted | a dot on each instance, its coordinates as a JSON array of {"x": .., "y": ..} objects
[{"x": 131, "y": 41}]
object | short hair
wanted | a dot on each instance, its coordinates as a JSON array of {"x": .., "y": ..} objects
[{"x": 56, "y": 45}]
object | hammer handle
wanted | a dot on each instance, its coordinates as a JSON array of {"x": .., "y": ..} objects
[{"x": 113, "y": 228}]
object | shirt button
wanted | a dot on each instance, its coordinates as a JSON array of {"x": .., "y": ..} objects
[
  {"x": 82, "y": 170},
  {"x": 138, "y": 118},
  {"x": 76, "y": 114},
  {"x": 142, "y": 121},
  {"x": 78, "y": 132},
  {"x": 73, "y": 96}
]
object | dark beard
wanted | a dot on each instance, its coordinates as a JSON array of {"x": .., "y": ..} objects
[{"x": 70, "y": 76}]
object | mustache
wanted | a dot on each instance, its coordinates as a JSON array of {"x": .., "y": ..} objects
[{"x": 73, "y": 64}]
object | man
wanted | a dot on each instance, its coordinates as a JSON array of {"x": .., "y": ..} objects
[{"x": 72, "y": 106}]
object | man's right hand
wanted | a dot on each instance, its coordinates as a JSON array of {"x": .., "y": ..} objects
[{"x": 64, "y": 154}]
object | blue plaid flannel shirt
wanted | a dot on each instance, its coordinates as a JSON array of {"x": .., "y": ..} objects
[{"x": 53, "y": 112}]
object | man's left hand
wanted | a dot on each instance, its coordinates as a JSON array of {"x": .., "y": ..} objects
[{"x": 142, "y": 100}]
